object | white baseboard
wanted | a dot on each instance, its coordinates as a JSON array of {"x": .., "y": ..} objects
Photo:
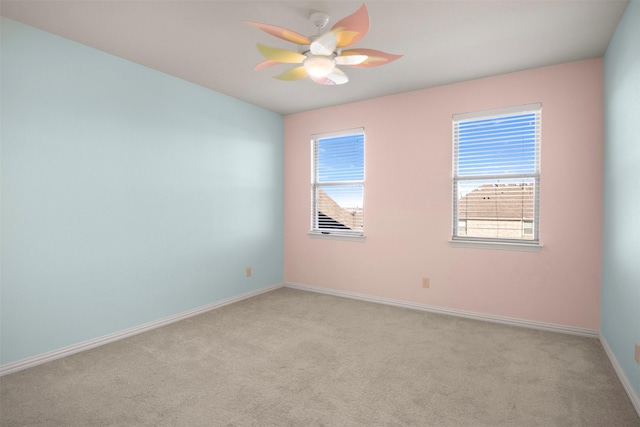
[
  {"x": 86, "y": 345},
  {"x": 635, "y": 400},
  {"x": 453, "y": 312}
]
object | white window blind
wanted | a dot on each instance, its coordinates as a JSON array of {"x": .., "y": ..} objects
[
  {"x": 496, "y": 175},
  {"x": 337, "y": 183}
]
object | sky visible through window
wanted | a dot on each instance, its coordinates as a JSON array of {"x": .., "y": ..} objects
[
  {"x": 341, "y": 160},
  {"x": 493, "y": 147}
]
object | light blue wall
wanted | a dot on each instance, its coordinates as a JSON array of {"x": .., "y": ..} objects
[
  {"x": 620, "y": 314},
  {"x": 127, "y": 195}
]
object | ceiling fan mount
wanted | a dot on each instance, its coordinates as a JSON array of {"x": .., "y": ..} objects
[
  {"x": 322, "y": 54},
  {"x": 319, "y": 19}
]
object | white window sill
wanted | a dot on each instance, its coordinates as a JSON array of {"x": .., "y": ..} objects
[
  {"x": 333, "y": 235},
  {"x": 524, "y": 247}
]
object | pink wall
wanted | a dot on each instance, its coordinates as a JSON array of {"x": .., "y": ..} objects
[{"x": 408, "y": 201}]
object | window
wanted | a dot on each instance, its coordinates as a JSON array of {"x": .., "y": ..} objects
[
  {"x": 337, "y": 183},
  {"x": 496, "y": 175}
]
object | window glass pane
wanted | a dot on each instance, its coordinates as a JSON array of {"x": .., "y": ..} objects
[
  {"x": 338, "y": 183},
  {"x": 462, "y": 227},
  {"x": 500, "y": 145},
  {"x": 341, "y": 158},
  {"x": 497, "y": 208},
  {"x": 340, "y": 207},
  {"x": 496, "y": 165}
]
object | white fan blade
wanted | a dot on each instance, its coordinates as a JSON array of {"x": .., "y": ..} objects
[
  {"x": 351, "y": 59},
  {"x": 336, "y": 77},
  {"x": 324, "y": 45}
]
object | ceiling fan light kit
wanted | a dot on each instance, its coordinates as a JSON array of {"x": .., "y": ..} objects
[
  {"x": 321, "y": 54},
  {"x": 319, "y": 66}
]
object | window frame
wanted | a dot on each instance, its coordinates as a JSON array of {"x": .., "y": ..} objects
[
  {"x": 316, "y": 184},
  {"x": 497, "y": 242}
]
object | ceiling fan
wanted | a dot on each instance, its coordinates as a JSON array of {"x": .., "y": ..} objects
[{"x": 319, "y": 55}]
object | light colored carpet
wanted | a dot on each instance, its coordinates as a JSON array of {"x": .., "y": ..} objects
[{"x": 295, "y": 358}]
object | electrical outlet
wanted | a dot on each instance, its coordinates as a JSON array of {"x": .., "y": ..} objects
[
  {"x": 637, "y": 355},
  {"x": 248, "y": 271},
  {"x": 425, "y": 282}
]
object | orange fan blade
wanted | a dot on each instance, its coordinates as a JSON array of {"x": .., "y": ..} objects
[
  {"x": 281, "y": 33},
  {"x": 293, "y": 74},
  {"x": 281, "y": 55},
  {"x": 347, "y": 38},
  {"x": 374, "y": 57},
  {"x": 336, "y": 77},
  {"x": 265, "y": 64},
  {"x": 353, "y": 28}
]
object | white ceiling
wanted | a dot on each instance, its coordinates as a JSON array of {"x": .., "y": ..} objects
[{"x": 206, "y": 43}]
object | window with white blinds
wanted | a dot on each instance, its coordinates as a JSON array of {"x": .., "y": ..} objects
[
  {"x": 337, "y": 183},
  {"x": 496, "y": 175}
]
